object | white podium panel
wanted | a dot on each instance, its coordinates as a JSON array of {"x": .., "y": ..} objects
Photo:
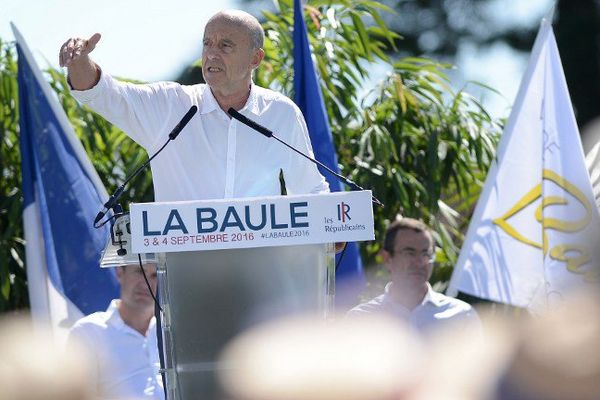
[{"x": 251, "y": 222}]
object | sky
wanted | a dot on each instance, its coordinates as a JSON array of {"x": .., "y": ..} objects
[
  {"x": 500, "y": 66},
  {"x": 154, "y": 40},
  {"x": 141, "y": 39}
]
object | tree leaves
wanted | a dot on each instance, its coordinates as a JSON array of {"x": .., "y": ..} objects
[
  {"x": 422, "y": 148},
  {"x": 12, "y": 270}
]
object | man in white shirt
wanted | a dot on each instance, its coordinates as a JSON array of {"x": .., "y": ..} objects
[
  {"x": 215, "y": 156},
  {"x": 408, "y": 254},
  {"x": 122, "y": 340}
]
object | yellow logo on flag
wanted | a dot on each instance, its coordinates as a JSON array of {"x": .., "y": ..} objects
[{"x": 558, "y": 252}]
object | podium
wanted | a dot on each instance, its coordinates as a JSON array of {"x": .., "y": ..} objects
[{"x": 226, "y": 265}]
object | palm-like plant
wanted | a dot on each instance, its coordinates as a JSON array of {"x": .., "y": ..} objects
[
  {"x": 13, "y": 289},
  {"x": 421, "y": 147}
]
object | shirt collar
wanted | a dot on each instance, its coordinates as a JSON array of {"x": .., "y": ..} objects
[
  {"x": 210, "y": 104},
  {"x": 114, "y": 318},
  {"x": 431, "y": 296},
  {"x": 252, "y": 102}
]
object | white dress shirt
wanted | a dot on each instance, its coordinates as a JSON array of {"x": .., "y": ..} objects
[
  {"x": 435, "y": 310},
  {"x": 214, "y": 157},
  {"x": 126, "y": 362}
]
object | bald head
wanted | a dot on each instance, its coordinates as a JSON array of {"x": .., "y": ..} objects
[{"x": 244, "y": 20}]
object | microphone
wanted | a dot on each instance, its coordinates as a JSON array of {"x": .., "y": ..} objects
[
  {"x": 248, "y": 122},
  {"x": 112, "y": 201},
  {"x": 184, "y": 121},
  {"x": 268, "y": 133}
]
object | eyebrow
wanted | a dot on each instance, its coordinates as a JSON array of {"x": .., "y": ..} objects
[
  {"x": 413, "y": 249},
  {"x": 408, "y": 248}
]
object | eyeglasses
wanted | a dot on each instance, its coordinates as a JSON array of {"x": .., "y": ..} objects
[{"x": 413, "y": 254}]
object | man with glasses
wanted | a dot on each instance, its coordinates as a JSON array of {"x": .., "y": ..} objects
[{"x": 408, "y": 254}]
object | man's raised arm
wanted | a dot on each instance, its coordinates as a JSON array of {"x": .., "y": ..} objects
[{"x": 83, "y": 73}]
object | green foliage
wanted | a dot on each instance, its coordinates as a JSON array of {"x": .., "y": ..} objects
[
  {"x": 421, "y": 147},
  {"x": 13, "y": 288}
]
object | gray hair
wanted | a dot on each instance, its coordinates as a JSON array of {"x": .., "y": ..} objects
[{"x": 249, "y": 22}]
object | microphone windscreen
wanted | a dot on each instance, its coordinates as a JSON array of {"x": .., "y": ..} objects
[
  {"x": 248, "y": 122},
  {"x": 184, "y": 121}
]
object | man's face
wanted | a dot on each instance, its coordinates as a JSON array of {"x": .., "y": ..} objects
[
  {"x": 410, "y": 261},
  {"x": 134, "y": 291},
  {"x": 228, "y": 57}
]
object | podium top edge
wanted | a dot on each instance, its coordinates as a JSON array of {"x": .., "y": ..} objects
[{"x": 264, "y": 198}]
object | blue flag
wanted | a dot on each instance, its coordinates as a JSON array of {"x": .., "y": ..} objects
[
  {"x": 61, "y": 195},
  {"x": 307, "y": 95}
]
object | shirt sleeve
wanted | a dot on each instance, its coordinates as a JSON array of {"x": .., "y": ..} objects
[
  {"x": 302, "y": 176},
  {"x": 145, "y": 112}
]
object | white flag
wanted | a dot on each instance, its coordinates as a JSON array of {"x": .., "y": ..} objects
[{"x": 531, "y": 236}]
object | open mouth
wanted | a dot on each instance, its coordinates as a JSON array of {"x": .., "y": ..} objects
[{"x": 214, "y": 69}]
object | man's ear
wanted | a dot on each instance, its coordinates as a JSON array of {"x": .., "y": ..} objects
[
  {"x": 257, "y": 58},
  {"x": 387, "y": 257}
]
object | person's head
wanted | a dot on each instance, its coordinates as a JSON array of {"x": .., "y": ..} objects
[
  {"x": 556, "y": 354},
  {"x": 408, "y": 251},
  {"x": 376, "y": 357},
  {"x": 232, "y": 49},
  {"x": 33, "y": 365},
  {"x": 134, "y": 290}
]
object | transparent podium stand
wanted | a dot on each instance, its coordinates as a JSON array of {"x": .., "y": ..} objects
[
  {"x": 226, "y": 265},
  {"x": 208, "y": 297}
]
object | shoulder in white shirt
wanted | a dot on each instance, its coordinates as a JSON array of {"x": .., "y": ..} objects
[{"x": 214, "y": 157}]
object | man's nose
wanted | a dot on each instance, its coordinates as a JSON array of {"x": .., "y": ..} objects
[
  {"x": 210, "y": 52},
  {"x": 422, "y": 259}
]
